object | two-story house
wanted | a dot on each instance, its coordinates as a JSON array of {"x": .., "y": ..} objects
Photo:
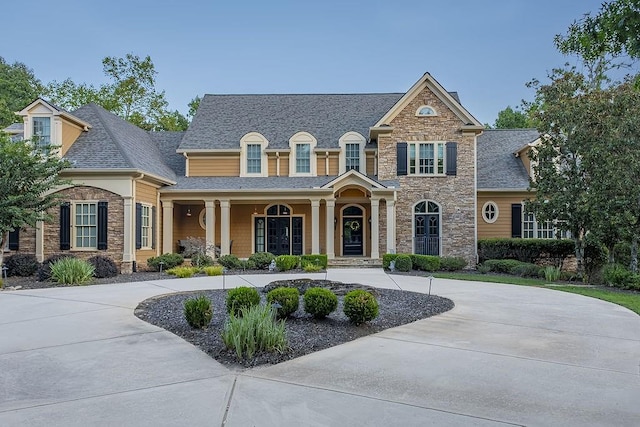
[{"x": 346, "y": 175}]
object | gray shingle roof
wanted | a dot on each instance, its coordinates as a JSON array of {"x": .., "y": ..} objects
[
  {"x": 113, "y": 143},
  {"x": 258, "y": 183},
  {"x": 222, "y": 120},
  {"x": 497, "y": 165},
  {"x": 168, "y": 143}
]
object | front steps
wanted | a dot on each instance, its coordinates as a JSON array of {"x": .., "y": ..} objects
[{"x": 349, "y": 262}]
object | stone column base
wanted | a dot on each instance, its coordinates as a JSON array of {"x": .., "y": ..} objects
[{"x": 126, "y": 267}]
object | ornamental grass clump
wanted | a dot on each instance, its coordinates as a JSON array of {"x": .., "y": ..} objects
[
  {"x": 183, "y": 272},
  {"x": 214, "y": 270},
  {"x": 551, "y": 273},
  {"x": 240, "y": 298},
  {"x": 255, "y": 330},
  {"x": 286, "y": 300},
  {"x": 320, "y": 302},
  {"x": 360, "y": 306},
  {"x": 72, "y": 271},
  {"x": 198, "y": 312}
]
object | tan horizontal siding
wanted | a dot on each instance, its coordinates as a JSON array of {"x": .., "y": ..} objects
[
  {"x": 216, "y": 166},
  {"x": 370, "y": 165},
  {"x": 334, "y": 164},
  {"x": 502, "y": 226}
]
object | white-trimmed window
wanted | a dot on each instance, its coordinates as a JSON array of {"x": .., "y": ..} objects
[
  {"x": 41, "y": 133},
  {"x": 146, "y": 228},
  {"x": 490, "y": 212},
  {"x": 426, "y": 158},
  {"x": 253, "y": 159},
  {"x": 426, "y": 111},
  {"x": 85, "y": 225},
  {"x": 534, "y": 229},
  {"x": 352, "y": 152},
  {"x": 302, "y": 160}
]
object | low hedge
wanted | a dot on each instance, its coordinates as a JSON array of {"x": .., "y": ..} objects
[
  {"x": 287, "y": 262},
  {"x": 525, "y": 250},
  {"x": 512, "y": 266},
  {"x": 425, "y": 262},
  {"x": 317, "y": 259}
]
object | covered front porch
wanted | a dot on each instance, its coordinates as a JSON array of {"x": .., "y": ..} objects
[{"x": 351, "y": 215}]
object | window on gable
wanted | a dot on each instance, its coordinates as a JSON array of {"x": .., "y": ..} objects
[
  {"x": 303, "y": 158},
  {"x": 86, "y": 225},
  {"x": 426, "y": 111},
  {"x": 254, "y": 158},
  {"x": 352, "y": 154},
  {"x": 426, "y": 158},
  {"x": 42, "y": 131}
]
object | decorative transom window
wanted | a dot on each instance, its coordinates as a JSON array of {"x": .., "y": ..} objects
[
  {"x": 427, "y": 207},
  {"x": 426, "y": 111},
  {"x": 146, "y": 226},
  {"x": 426, "y": 158},
  {"x": 86, "y": 225},
  {"x": 254, "y": 158},
  {"x": 490, "y": 212},
  {"x": 302, "y": 159}
]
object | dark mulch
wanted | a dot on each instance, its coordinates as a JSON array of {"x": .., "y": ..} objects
[{"x": 305, "y": 334}]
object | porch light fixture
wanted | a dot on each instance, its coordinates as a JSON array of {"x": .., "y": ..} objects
[
  {"x": 188, "y": 212},
  {"x": 335, "y": 222}
]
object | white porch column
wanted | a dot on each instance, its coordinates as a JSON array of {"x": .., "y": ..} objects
[
  {"x": 129, "y": 233},
  {"x": 225, "y": 226},
  {"x": 391, "y": 226},
  {"x": 375, "y": 224},
  {"x": 210, "y": 226},
  {"x": 329, "y": 233},
  {"x": 315, "y": 226},
  {"x": 40, "y": 241},
  {"x": 167, "y": 227}
]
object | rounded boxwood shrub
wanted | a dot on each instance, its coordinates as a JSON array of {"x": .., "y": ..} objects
[
  {"x": 103, "y": 266},
  {"x": 320, "y": 302},
  {"x": 198, "y": 312},
  {"x": 262, "y": 260},
  {"x": 169, "y": 260},
  {"x": 360, "y": 306},
  {"x": 44, "y": 273},
  {"x": 403, "y": 263},
  {"x": 287, "y": 298},
  {"x": 242, "y": 297},
  {"x": 287, "y": 262},
  {"x": 231, "y": 262},
  {"x": 23, "y": 265}
]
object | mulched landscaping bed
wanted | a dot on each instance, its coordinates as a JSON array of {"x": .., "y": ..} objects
[{"x": 305, "y": 334}]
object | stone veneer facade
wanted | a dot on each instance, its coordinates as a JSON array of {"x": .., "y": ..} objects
[
  {"x": 115, "y": 225},
  {"x": 455, "y": 194}
]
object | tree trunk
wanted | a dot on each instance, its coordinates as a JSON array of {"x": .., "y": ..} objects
[
  {"x": 579, "y": 242},
  {"x": 612, "y": 258},
  {"x": 634, "y": 254}
]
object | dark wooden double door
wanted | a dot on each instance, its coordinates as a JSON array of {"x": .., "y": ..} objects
[{"x": 284, "y": 235}]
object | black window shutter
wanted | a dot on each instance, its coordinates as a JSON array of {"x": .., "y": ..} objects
[
  {"x": 14, "y": 240},
  {"x": 65, "y": 226},
  {"x": 103, "y": 219},
  {"x": 138, "y": 225},
  {"x": 401, "y": 155},
  {"x": 153, "y": 227},
  {"x": 516, "y": 220},
  {"x": 452, "y": 158}
]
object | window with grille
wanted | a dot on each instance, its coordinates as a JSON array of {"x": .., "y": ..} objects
[
  {"x": 86, "y": 225},
  {"x": 352, "y": 156},
  {"x": 303, "y": 158},
  {"x": 426, "y": 158},
  {"x": 254, "y": 158}
]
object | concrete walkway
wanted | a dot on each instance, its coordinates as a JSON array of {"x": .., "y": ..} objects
[{"x": 505, "y": 355}]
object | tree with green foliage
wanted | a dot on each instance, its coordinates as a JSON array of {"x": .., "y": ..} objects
[
  {"x": 131, "y": 94},
  {"x": 18, "y": 87},
  {"x": 28, "y": 175},
  {"x": 193, "y": 106},
  {"x": 510, "y": 118}
]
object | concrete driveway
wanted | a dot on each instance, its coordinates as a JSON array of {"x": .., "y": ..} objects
[{"x": 505, "y": 355}]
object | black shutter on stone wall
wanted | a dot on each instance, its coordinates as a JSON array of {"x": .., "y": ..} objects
[
  {"x": 14, "y": 240},
  {"x": 103, "y": 220},
  {"x": 65, "y": 226},
  {"x": 452, "y": 158},
  {"x": 138, "y": 225},
  {"x": 401, "y": 158},
  {"x": 516, "y": 220},
  {"x": 153, "y": 227}
]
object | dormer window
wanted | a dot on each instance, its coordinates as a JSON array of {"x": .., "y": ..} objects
[
  {"x": 41, "y": 131},
  {"x": 352, "y": 152},
  {"x": 303, "y": 159},
  {"x": 253, "y": 159},
  {"x": 426, "y": 111}
]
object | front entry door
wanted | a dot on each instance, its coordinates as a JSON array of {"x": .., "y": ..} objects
[
  {"x": 278, "y": 235},
  {"x": 352, "y": 236},
  {"x": 427, "y": 234}
]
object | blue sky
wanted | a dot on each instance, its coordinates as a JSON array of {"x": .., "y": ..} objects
[{"x": 486, "y": 50}]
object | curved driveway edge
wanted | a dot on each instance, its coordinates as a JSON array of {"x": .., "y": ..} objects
[{"x": 504, "y": 355}]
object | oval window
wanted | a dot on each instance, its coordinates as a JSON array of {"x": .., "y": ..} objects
[{"x": 490, "y": 212}]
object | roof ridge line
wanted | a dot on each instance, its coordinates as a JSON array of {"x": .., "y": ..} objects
[{"x": 123, "y": 152}]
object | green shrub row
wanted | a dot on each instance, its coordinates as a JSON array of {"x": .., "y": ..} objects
[
  {"x": 512, "y": 266},
  {"x": 26, "y": 265},
  {"x": 287, "y": 262},
  {"x": 423, "y": 262},
  {"x": 619, "y": 276},
  {"x": 525, "y": 250},
  {"x": 320, "y": 260}
]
